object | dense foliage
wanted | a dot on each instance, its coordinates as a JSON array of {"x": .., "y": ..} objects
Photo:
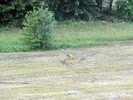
[
  {"x": 38, "y": 27},
  {"x": 15, "y": 10},
  {"x": 125, "y": 9},
  {"x": 77, "y": 9}
]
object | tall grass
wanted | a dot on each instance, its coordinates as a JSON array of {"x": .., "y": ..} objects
[
  {"x": 72, "y": 34},
  {"x": 79, "y": 34}
]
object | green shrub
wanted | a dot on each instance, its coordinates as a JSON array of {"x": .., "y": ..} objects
[
  {"x": 125, "y": 9},
  {"x": 38, "y": 29}
]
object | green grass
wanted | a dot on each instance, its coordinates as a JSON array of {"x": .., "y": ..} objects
[
  {"x": 72, "y": 34},
  {"x": 10, "y": 40},
  {"x": 92, "y": 33}
]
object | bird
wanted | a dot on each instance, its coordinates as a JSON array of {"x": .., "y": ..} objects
[
  {"x": 69, "y": 56},
  {"x": 65, "y": 61}
]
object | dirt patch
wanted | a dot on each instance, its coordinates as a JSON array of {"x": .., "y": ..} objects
[{"x": 26, "y": 58}]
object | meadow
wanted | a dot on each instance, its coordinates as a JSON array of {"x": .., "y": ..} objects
[
  {"x": 100, "y": 66},
  {"x": 72, "y": 35}
]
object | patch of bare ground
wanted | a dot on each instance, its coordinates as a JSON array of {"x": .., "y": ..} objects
[{"x": 95, "y": 73}]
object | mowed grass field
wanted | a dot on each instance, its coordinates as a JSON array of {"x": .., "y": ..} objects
[
  {"x": 72, "y": 35},
  {"x": 94, "y": 73}
]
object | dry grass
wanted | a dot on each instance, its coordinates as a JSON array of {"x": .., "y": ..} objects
[{"x": 96, "y": 73}]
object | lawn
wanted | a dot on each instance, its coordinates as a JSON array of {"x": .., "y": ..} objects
[
  {"x": 94, "y": 73},
  {"x": 72, "y": 34}
]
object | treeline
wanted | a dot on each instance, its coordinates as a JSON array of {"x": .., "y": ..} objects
[{"x": 15, "y": 10}]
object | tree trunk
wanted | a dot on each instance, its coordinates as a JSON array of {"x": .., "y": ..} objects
[{"x": 110, "y": 6}]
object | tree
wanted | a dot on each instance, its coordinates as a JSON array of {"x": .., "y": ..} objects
[
  {"x": 124, "y": 9},
  {"x": 38, "y": 27},
  {"x": 15, "y": 10},
  {"x": 73, "y": 9}
]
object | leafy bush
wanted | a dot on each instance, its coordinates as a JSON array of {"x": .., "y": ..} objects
[
  {"x": 38, "y": 29},
  {"x": 125, "y": 9}
]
